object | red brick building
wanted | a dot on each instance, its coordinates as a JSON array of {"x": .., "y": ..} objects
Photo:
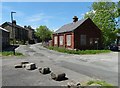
[{"x": 82, "y": 34}]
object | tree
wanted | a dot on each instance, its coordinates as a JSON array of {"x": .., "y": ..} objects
[
  {"x": 43, "y": 33},
  {"x": 118, "y": 23},
  {"x": 103, "y": 15},
  {"x": 119, "y": 8}
]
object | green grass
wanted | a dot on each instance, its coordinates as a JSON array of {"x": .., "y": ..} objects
[
  {"x": 63, "y": 50},
  {"x": 102, "y": 83},
  {"x": 10, "y": 54}
]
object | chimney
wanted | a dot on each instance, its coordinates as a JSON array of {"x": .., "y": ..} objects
[
  {"x": 14, "y": 22},
  {"x": 75, "y": 19},
  {"x": 25, "y": 26}
]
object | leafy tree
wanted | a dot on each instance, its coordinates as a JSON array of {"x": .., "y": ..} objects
[
  {"x": 43, "y": 33},
  {"x": 119, "y": 8},
  {"x": 118, "y": 16},
  {"x": 103, "y": 15}
]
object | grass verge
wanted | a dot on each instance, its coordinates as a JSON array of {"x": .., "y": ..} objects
[
  {"x": 101, "y": 84},
  {"x": 10, "y": 54},
  {"x": 63, "y": 50}
]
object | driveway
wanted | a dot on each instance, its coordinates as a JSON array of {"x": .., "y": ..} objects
[{"x": 77, "y": 67}]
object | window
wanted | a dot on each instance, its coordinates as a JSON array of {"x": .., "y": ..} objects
[
  {"x": 68, "y": 40},
  {"x": 83, "y": 39},
  {"x": 91, "y": 41},
  {"x": 61, "y": 40},
  {"x": 55, "y": 40}
]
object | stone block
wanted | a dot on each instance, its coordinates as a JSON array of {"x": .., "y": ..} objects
[
  {"x": 30, "y": 66},
  {"x": 24, "y": 63},
  {"x": 18, "y": 66},
  {"x": 45, "y": 70},
  {"x": 58, "y": 76},
  {"x": 73, "y": 85}
]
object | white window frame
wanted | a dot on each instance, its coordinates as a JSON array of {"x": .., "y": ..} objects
[
  {"x": 55, "y": 40},
  {"x": 68, "y": 40},
  {"x": 61, "y": 40}
]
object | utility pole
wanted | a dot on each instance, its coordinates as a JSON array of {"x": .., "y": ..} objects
[{"x": 13, "y": 32}]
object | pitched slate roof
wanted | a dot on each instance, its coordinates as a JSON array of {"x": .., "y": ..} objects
[
  {"x": 3, "y": 29},
  {"x": 71, "y": 26},
  {"x": 10, "y": 24}
]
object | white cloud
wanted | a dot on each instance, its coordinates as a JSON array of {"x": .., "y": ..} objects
[
  {"x": 38, "y": 17},
  {"x": 35, "y": 18},
  {"x": 8, "y": 9}
]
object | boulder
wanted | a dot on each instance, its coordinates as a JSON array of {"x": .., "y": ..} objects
[
  {"x": 58, "y": 76},
  {"x": 44, "y": 70},
  {"x": 24, "y": 63},
  {"x": 73, "y": 85},
  {"x": 18, "y": 66},
  {"x": 30, "y": 66}
]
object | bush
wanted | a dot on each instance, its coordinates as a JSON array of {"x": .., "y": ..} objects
[
  {"x": 99, "y": 82},
  {"x": 10, "y": 54},
  {"x": 64, "y": 50}
]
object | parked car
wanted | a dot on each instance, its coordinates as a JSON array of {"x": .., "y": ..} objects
[{"x": 115, "y": 46}]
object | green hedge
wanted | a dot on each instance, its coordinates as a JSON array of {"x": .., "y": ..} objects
[{"x": 64, "y": 50}]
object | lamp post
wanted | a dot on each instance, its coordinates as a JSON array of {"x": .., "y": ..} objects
[{"x": 13, "y": 31}]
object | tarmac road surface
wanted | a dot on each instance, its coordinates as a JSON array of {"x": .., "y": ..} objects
[{"x": 77, "y": 67}]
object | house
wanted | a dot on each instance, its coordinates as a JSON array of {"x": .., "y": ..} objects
[
  {"x": 4, "y": 38},
  {"x": 18, "y": 33},
  {"x": 82, "y": 34},
  {"x": 31, "y": 35}
]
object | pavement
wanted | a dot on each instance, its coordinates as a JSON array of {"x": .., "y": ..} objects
[{"x": 78, "y": 68}]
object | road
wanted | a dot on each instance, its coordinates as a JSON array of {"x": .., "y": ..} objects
[{"x": 77, "y": 67}]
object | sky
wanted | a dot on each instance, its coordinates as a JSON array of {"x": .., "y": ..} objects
[{"x": 52, "y": 14}]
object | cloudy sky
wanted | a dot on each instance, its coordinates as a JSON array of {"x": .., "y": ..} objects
[{"x": 51, "y": 14}]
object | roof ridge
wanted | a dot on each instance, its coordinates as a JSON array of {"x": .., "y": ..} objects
[{"x": 70, "y": 26}]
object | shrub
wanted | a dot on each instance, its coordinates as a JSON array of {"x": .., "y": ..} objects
[
  {"x": 102, "y": 83},
  {"x": 10, "y": 53}
]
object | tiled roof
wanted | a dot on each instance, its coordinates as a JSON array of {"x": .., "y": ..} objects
[
  {"x": 71, "y": 26},
  {"x": 18, "y": 26}
]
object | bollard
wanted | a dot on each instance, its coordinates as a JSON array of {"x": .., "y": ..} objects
[
  {"x": 24, "y": 63},
  {"x": 58, "y": 76},
  {"x": 73, "y": 85},
  {"x": 18, "y": 66},
  {"x": 45, "y": 70},
  {"x": 30, "y": 66}
]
